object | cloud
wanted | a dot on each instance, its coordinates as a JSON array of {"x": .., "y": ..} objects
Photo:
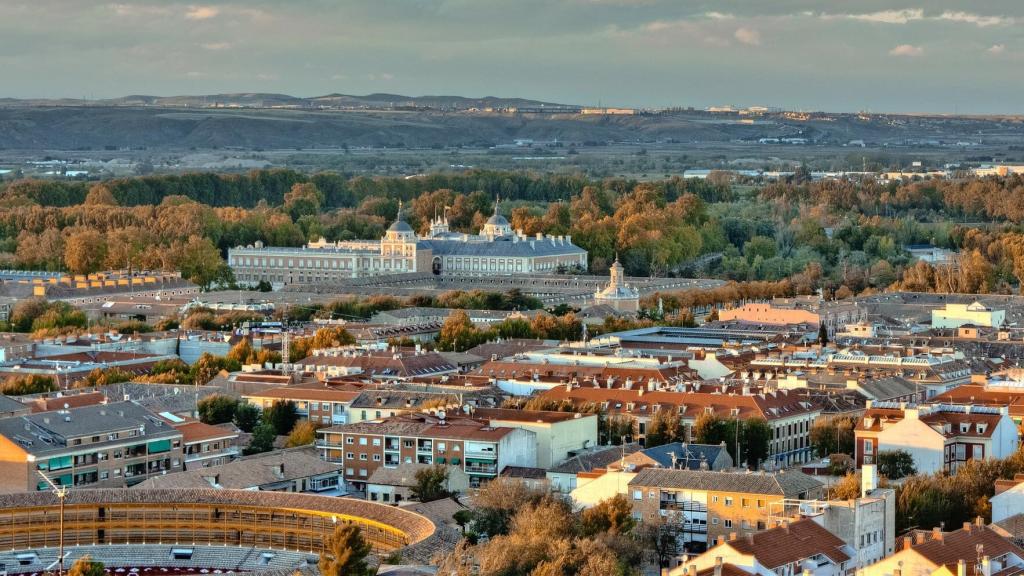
[
  {"x": 996, "y": 49},
  {"x": 748, "y": 36},
  {"x": 884, "y": 16},
  {"x": 906, "y": 50},
  {"x": 216, "y": 45},
  {"x": 381, "y": 76},
  {"x": 976, "y": 19},
  {"x": 201, "y": 12},
  {"x": 719, "y": 16}
]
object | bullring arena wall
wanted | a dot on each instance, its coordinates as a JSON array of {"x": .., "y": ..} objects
[{"x": 239, "y": 518}]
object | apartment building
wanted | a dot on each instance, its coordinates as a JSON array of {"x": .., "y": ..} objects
[
  {"x": 789, "y": 415},
  {"x": 377, "y": 404},
  {"x": 940, "y": 437},
  {"x": 974, "y": 549},
  {"x": 932, "y": 374},
  {"x": 479, "y": 449},
  {"x": 559, "y": 434},
  {"x": 784, "y": 550},
  {"x": 323, "y": 406},
  {"x": 205, "y": 445},
  {"x": 974, "y": 314},
  {"x": 711, "y": 505},
  {"x": 99, "y": 446},
  {"x": 292, "y": 470}
]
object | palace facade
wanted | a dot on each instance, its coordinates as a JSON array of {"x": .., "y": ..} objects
[{"x": 496, "y": 250}]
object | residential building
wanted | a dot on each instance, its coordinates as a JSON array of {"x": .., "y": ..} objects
[
  {"x": 378, "y": 404},
  {"x": 205, "y": 445},
  {"x": 495, "y": 251},
  {"x": 395, "y": 485},
  {"x": 11, "y": 407},
  {"x": 973, "y": 550},
  {"x": 974, "y": 314},
  {"x": 292, "y": 470},
  {"x": 530, "y": 477},
  {"x": 933, "y": 374},
  {"x": 789, "y": 415},
  {"x": 1008, "y": 500},
  {"x": 98, "y": 446},
  {"x": 712, "y": 505},
  {"x": 940, "y": 437},
  {"x": 565, "y": 477},
  {"x": 479, "y": 449},
  {"x": 324, "y": 406},
  {"x": 784, "y": 550},
  {"x": 867, "y": 523},
  {"x": 375, "y": 364},
  {"x": 66, "y": 369},
  {"x": 559, "y": 434},
  {"x": 682, "y": 456}
]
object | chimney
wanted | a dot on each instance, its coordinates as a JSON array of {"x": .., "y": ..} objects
[
  {"x": 979, "y": 521},
  {"x": 718, "y": 566},
  {"x": 937, "y": 534},
  {"x": 961, "y": 567},
  {"x": 919, "y": 538},
  {"x": 907, "y": 543},
  {"x": 986, "y": 566}
]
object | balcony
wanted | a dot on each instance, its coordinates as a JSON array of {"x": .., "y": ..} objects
[{"x": 489, "y": 469}]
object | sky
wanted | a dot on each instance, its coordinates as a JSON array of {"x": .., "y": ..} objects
[{"x": 841, "y": 55}]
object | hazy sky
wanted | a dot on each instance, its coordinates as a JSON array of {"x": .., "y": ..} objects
[{"x": 934, "y": 55}]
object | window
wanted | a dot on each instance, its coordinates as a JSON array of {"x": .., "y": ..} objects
[
  {"x": 978, "y": 452},
  {"x": 638, "y": 494},
  {"x": 744, "y": 502},
  {"x": 728, "y": 523},
  {"x": 760, "y": 503},
  {"x": 104, "y": 475},
  {"x": 440, "y": 446},
  {"x": 376, "y": 457},
  {"x": 728, "y": 500},
  {"x": 376, "y": 441},
  {"x": 362, "y": 441},
  {"x": 869, "y": 446},
  {"x": 362, "y": 472},
  {"x": 714, "y": 499},
  {"x": 350, "y": 455},
  {"x": 350, "y": 440},
  {"x": 349, "y": 471},
  {"x": 362, "y": 457},
  {"x": 714, "y": 521}
]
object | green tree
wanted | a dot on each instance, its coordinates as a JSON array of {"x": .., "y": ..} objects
[
  {"x": 86, "y": 566},
  {"x": 282, "y": 415},
  {"x": 263, "y": 437},
  {"x": 217, "y": 409},
  {"x": 463, "y": 518},
  {"x": 896, "y": 464},
  {"x": 832, "y": 436},
  {"x": 346, "y": 553},
  {"x": 756, "y": 438},
  {"x": 664, "y": 428},
  {"x": 431, "y": 483},
  {"x": 246, "y": 416}
]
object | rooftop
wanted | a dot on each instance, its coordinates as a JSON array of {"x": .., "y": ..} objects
[{"x": 787, "y": 484}]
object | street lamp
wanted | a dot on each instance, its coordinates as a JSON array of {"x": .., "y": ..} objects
[{"x": 62, "y": 493}]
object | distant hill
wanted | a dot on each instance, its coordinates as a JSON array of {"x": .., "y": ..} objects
[
  {"x": 270, "y": 100},
  {"x": 278, "y": 121}
]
